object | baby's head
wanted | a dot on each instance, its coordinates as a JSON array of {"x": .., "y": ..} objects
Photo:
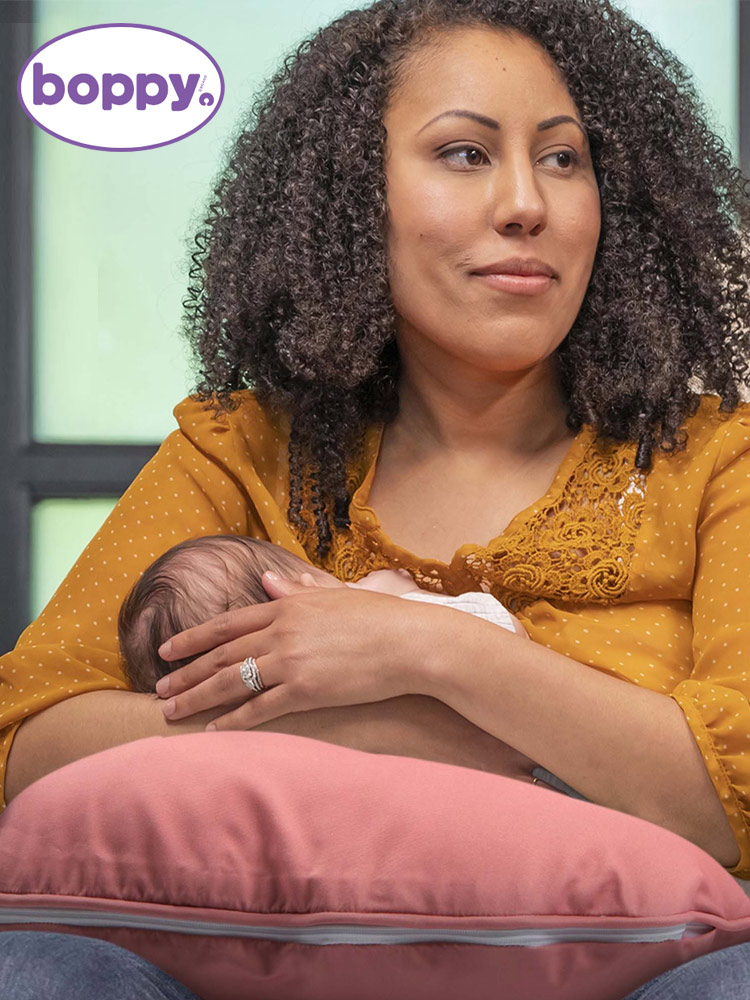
[{"x": 201, "y": 578}]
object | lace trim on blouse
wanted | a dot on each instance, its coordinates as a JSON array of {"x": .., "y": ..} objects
[{"x": 575, "y": 544}]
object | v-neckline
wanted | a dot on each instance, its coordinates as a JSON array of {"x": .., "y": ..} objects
[{"x": 368, "y": 519}]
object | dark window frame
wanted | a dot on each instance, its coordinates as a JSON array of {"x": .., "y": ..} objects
[{"x": 33, "y": 471}]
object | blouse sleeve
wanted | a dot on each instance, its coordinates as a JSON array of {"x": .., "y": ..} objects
[
  {"x": 189, "y": 488},
  {"x": 716, "y": 696}
]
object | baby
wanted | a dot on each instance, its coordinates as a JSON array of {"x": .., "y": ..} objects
[{"x": 203, "y": 577}]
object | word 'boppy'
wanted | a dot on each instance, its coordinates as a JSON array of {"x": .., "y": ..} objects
[{"x": 183, "y": 89}]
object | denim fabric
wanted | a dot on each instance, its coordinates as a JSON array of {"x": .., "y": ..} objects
[
  {"x": 720, "y": 975},
  {"x": 551, "y": 779},
  {"x": 41, "y": 965}
]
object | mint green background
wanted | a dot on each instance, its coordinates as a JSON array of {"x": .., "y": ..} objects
[
  {"x": 109, "y": 229},
  {"x": 60, "y": 531}
]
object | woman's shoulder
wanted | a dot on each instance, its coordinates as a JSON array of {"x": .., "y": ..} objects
[
  {"x": 244, "y": 434},
  {"x": 713, "y": 438},
  {"x": 709, "y": 427},
  {"x": 246, "y": 417},
  {"x": 708, "y": 409}
]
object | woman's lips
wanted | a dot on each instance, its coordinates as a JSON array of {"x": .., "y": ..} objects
[{"x": 521, "y": 284}]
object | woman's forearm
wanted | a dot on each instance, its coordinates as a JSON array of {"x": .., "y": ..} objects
[
  {"x": 96, "y": 720},
  {"x": 417, "y": 725},
  {"x": 412, "y": 725},
  {"x": 84, "y": 725}
]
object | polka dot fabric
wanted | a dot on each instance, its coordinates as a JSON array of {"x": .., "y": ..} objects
[{"x": 679, "y": 622}]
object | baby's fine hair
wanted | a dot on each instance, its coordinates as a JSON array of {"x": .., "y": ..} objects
[{"x": 190, "y": 583}]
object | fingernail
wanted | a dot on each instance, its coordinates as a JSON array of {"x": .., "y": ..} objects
[
  {"x": 165, "y": 648},
  {"x": 272, "y": 576},
  {"x": 162, "y": 686},
  {"x": 168, "y": 709}
]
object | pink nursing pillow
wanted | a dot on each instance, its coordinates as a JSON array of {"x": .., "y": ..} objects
[{"x": 277, "y": 867}]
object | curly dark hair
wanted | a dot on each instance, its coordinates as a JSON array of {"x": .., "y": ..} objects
[{"x": 289, "y": 292}]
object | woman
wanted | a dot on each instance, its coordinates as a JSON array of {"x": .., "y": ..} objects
[{"x": 587, "y": 420}]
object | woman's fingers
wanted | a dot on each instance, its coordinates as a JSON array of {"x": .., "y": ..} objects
[
  {"x": 223, "y": 688},
  {"x": 218, "y": 631},
  {"x": 254, "y": 712},
  {"x": 212, "y": 663}
]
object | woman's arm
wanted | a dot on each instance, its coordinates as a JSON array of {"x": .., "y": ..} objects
[
  {"x": 408, "y": 726},
  {"x": 97, "y": 720},
  {"x": 417, "y": 725},
  {"x": 83, "y": 725},
  {"x": 619, "y": 744}
]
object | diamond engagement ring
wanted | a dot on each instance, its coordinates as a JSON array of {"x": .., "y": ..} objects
[{"x": 251, "y": 675}]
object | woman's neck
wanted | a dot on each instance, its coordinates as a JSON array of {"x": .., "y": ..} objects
[{"x": 522, "y": 418}]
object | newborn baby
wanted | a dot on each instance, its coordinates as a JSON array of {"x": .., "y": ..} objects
[{"x": 203, "y": 577}]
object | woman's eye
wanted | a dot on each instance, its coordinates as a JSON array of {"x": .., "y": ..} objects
[
  {"x": 567, "y": 154},
  {"x": 573, "y": 157},
  {"x": 462, "y": 149}
]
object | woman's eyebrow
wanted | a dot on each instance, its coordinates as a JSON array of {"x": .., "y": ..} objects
[{"x": 491, "y": 123}]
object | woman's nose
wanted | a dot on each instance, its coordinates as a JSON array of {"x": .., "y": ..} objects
[{"x": 517, "y": 198}]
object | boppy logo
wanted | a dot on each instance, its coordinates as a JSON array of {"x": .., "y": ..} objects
[{"x": 120, "y": 87}]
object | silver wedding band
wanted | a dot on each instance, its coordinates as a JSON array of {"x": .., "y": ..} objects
[{"x": 251, "y": 675}]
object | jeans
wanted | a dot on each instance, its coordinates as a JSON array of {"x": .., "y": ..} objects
[
  {"x": 42, "y": 965},
  {"x": 551, "y": 779}
]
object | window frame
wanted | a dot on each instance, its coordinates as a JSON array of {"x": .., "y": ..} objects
[{"x": 32, "y": 470}]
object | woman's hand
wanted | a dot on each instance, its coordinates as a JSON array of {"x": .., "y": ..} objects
[{"x": 314, "y": 648}]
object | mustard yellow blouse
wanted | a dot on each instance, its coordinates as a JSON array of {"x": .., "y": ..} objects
[{"x": 641, "y": 575}]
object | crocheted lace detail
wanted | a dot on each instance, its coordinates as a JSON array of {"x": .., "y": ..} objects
[{"x": 574, "y": 545}]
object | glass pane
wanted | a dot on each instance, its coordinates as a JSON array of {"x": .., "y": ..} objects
[
  {"x": 60, "y": 531},
  {"x": 704, "y": 36},
  {"x": 110, "y": 228}
]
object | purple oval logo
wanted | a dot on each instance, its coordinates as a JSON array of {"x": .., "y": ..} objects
[{"x": 120, "y": 87}]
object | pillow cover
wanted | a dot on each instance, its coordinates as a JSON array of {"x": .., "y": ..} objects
[{"x": 278, "y": 867}]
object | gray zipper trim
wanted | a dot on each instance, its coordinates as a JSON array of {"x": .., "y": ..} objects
[{"x": 323, "y": 934}]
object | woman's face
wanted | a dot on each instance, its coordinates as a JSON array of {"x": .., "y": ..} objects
[{"x": 463, "y": 194}]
